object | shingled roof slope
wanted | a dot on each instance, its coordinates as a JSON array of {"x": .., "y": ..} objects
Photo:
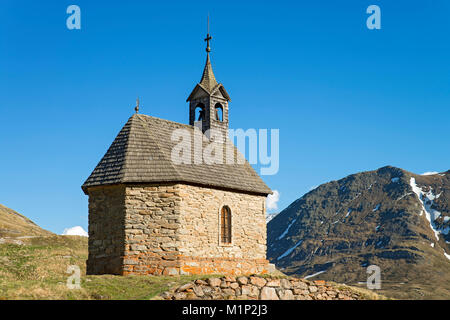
[{"x": 141, "y": 153}]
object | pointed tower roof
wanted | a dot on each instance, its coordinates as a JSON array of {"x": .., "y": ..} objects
[
  {"x": 208, "y": 84},
  {"x": 208, "y": 80}
]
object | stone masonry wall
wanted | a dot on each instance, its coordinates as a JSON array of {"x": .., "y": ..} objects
[
  {"x": 174, "y": 229},
  {"x": 151, "y": 229},
  {"x": 200, "y": 230},
  {"x": 106, "y": 230}
]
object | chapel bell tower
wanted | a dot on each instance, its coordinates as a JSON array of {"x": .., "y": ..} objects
[{"x": 208, "y": 102}]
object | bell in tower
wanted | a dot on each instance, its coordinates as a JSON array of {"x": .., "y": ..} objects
[{"x": 208, "y": 102}]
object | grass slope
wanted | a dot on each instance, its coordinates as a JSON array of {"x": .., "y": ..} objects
[
  {"x": 37, "y": 270},
  {"x": 13, "y": 224}
]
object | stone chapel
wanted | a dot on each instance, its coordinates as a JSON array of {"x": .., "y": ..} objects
[{"x": 149, "y": 214}]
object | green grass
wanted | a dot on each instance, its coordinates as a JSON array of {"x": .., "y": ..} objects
[{"x": 37, "y": 270}]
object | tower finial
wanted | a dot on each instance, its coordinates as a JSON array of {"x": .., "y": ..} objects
[
  {"x": 137, "y": 105},
  {"x": 208, "y": 38}
]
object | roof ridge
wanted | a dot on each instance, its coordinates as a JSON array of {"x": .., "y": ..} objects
[{"x": 165, "y": 120}]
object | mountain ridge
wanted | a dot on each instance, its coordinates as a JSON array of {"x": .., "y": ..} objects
[{"x": 388, "y": 217}]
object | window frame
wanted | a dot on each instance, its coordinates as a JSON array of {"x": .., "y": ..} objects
[{"x": 221, "y": 226}]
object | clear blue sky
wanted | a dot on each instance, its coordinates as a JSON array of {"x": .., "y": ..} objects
[{"x": 345, "y": 98}]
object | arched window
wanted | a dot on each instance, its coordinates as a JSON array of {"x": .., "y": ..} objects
[
  {"x": 218, "y": 112},
  {"x": 225, "y": 224},
  {"x": 200, "y": 112}
]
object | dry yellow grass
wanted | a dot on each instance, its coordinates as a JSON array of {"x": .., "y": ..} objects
[{"x": 13, "y": 224}]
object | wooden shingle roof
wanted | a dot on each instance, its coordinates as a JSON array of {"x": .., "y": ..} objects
[
  {"x": 141, "y": 153},
  {"x": 208, "y": 83}
]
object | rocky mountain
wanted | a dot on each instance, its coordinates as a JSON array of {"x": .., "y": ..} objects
[
  {"x": 13, "y": 224},
  {"x": 391, "y": 218},
  {"x": 270, "y": 216}
]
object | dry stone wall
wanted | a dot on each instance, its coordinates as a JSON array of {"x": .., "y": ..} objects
[{"x": 260, "y": 288}]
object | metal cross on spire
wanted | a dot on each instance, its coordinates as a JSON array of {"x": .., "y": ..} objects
[{"x": 208, "y": 38}]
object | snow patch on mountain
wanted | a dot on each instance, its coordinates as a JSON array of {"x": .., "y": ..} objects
[
  {"x": 430, "y": 173},
  {"x": 406, "y": 194},
  {"x": 270, "y": 216},
  {"x": 426, "y": 199},
  {"x": 287, "y": 230},
  {"x": 288, "y": 251},
  {"x": 314, "y": 274}
]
